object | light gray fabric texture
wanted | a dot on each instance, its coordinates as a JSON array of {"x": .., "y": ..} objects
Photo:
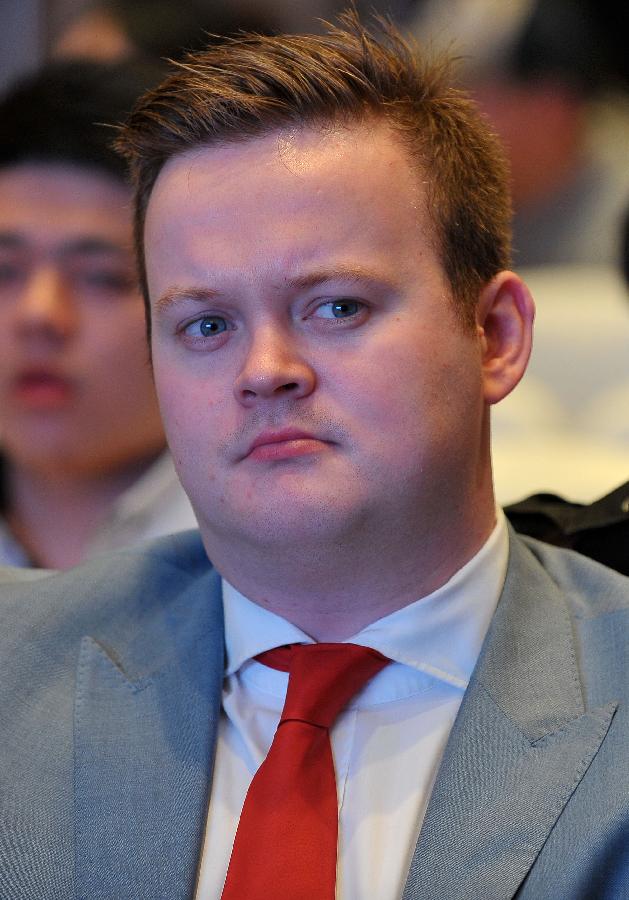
[{"x": 110, "y": 687}]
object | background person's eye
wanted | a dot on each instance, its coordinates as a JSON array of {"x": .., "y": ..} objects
[
  {"x": 9, "y": 272},
  {"x": 109, "y": 281}
]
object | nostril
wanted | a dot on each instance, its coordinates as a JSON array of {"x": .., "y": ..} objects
[{"x": 288, "y": 387}]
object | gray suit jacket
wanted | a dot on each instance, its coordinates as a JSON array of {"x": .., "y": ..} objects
[{"x": 110, "y": 681}]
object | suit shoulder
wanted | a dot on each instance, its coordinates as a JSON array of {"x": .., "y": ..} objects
[
  {"x": 590, "y": 588},
  {"x": 124, "y": 580}
]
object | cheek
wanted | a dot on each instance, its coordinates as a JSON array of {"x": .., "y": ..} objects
[
  {"x": 115, "y": 338},
  {"x": 388, "y": 386},
  {"x": 125, "y": 374},
  {"x": 190, "y": 413},
  {"x": 411, "y": 396}
]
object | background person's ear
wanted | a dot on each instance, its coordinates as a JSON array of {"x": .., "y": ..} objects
[{"x": 504, "y": 319}]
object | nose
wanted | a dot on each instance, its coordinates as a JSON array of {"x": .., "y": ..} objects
[
  {"x": 46, "y": 306},
  {"x": 273, "y": 369}
]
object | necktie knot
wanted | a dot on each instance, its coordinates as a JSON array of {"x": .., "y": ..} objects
[{"x": 323, "y": 678}]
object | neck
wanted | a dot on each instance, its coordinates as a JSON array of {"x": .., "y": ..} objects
[
  {"x": 331, "y": 592},
  {"x": 55, "y": 515}
]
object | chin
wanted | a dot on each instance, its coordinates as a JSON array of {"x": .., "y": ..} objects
[{"x": 285, "y": 522}]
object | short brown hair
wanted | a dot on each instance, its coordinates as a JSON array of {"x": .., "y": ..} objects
[{"x": 251, "y": 85}]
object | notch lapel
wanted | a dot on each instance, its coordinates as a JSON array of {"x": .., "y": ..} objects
[
  {"x": 519, "y": 747},
  {"x": 145, "y": 733}
]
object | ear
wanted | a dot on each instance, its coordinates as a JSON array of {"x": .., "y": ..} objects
[{"x": 504, "y": 324}]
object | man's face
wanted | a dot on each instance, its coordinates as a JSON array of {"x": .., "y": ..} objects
[
  {"x": 312, "y": 374},
  {"x": 76, "y": 391}
]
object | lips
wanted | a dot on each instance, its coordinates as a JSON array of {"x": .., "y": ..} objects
[
  {"x": 42, "y": 388},
  {"x": 285, "y": 443}
]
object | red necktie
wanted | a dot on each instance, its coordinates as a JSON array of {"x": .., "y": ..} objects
[{"x": 285, "y": 845}]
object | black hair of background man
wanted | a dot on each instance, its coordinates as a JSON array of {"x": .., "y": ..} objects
[{"x": 51, "y": 118}]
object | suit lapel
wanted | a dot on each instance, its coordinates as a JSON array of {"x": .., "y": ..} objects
[
  {"x": 520, "y": 745},
  {"x": 145, "y": 733}
]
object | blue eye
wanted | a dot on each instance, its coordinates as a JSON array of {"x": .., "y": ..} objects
[
  {"x": 208, "y": 326},
  {"x": 338, "y": 309}
]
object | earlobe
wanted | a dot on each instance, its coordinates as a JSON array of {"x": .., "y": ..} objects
[{"x": 505, "y": 326}]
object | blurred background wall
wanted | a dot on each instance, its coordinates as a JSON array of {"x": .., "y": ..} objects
[
  {"x": 23, "y": 38},
  {"x": 31, "y": 29}
]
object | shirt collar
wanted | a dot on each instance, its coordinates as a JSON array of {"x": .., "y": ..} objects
[{"x": 440, "y": 634}]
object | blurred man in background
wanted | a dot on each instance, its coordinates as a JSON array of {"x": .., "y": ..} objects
[
  {"x": 156, "y": 29},
  {"x": 84, "y": 466},
  {"x": 552, "y": 77}
]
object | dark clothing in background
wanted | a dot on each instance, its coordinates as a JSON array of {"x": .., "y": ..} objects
[{"x": 599, "y": 530}]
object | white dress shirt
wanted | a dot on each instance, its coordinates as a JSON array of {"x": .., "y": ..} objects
[
  {"x": 387, "y": 744},
  {"x": 154, "y": 505}
]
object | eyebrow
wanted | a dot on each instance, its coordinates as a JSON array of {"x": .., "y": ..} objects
[
  {"x": 348, "y": 274},
  {"x": 83, "y": 246},
  {"x": 178, "y": 294},
  {"x": 93, "y": 246}
]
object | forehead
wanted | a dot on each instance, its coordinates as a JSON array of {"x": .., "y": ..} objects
[
  {"x": 313, "y": 155},
  {"x": 41, "y": 200},
  {"x": 293, "y": 191}
]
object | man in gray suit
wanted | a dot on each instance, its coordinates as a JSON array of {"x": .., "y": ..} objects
[{"x": 322, "y": 226}]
